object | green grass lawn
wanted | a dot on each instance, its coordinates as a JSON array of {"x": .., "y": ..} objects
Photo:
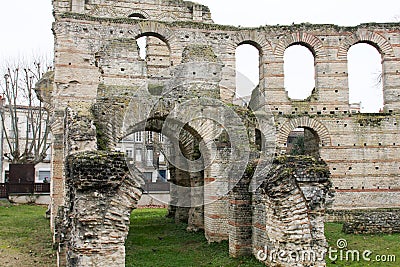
[
  {"x": 381, "y": 246},
  {"x": 25, "y": 236},
  {"x": 156, "y": 241}
]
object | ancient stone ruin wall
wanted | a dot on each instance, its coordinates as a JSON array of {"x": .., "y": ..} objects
[
  {"x": 369, "y": 221},
  {"x": 289, "y": 212},
  {"x": 99, "y": 76},
  {"x": 362, "y": 153},
  {"x": 361, "y": 150},
  {"x": 170, "y": 11},
  {"x": 94, "y": 223},
  {"x": 376, "y": 221}
]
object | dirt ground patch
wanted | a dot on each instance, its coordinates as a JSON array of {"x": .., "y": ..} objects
[{"x": 25, "y": 236}]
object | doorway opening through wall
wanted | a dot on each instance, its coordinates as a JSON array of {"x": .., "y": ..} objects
[
  {"x": 141, "y": 43},
  {"x": 303, "y": 141},
  {"x": 155, "y": 52}
]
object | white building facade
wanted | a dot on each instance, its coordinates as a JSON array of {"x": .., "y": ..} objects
[{"x": 146, "y": 151}]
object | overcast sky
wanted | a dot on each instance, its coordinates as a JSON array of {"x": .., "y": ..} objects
[{"x": 25, "y": 25}]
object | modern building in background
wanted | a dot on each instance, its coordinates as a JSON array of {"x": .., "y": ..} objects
[{"x": 146, "y": 150}]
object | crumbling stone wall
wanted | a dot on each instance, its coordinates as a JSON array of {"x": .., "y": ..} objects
[
  {"x": 376, "y": 221},
  {"x": 94, "y": 222},
  {"x": 289, "y": 213}
]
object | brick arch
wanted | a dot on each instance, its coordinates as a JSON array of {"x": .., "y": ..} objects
[
  {"x": 309, "y": 40},
  {"x": 315, "y": 125},
  {"x": 364, "y": 36},
  {"x": 137, "y": 11},
  {"x": 253, "y": 38},
  {"x": 153, "y": 28}
]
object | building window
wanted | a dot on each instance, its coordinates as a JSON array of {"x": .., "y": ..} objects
[
  {"x": 148, "y": 176},
  {"x": 149, "y": 157},
  {"x": 150, "y": 137},
  {"x": 161, "y": 158},
  {"x": 299, "y": 70},
  {"x": 138, "y": 155},
  {"x": 161, "y": 138},
  {"x": 138, "y": 137},
  {"x": 129, "y": 153},
  {"x": 6, "y": 176},
  {"x": 163, "y": 175},
  {"x": 44, "y": 176},
  {"x": 30, "y": 132},
  {"x": 365, "y": 78},
  {"x": 247, "y": 58}
]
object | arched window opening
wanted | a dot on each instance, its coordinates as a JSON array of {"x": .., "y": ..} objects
[
  {"x": 299, "y": 70},
  {"x": 247, "y": 72},
  {"x": 155, "y": 52},
  {"x": 365, "y": 78},
  {"x": 146, "y": 151},
  {"x": 136, "y": 16},
  {"x": 303, "y": 141},
  {"x": 142, "y": 43}
]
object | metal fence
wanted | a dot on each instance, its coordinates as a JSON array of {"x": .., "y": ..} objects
[
  {"x": 156, "y": 187},
  {"x": 23, "y": 188},
  {"x": 3, "y": 190},
  {"x": 41, "y": 188}
]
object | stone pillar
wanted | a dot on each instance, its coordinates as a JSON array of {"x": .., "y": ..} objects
[
  {"x": 275, "y": 93},
  {"x": 102, "y": 193},
  {"x": 292, "y": 199},
  {"x": 332, "y": 86},
  {"x": 158, "y": 58},
  {"x": 240, "y": 219},
  {"x": 228, "y": 82},
  {"x": 57, "y": 176},
  {"x": 179, "y": 201},
  {"x": 183, "y": 200},
  {"x": 173, "y": 194},
  {"x": 391, "y": 85},
  {"x": 216, "y": 209},
  {"x": 196, "y": 212}
]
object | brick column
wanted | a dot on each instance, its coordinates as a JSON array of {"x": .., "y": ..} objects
[{"x": 216, "y": 209}]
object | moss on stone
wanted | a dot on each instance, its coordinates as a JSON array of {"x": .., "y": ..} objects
[
  {"x": 155, "y": 89},
  {"x": 198, "y": 53},
  {"x": 102, "y": 142},
  {"x": 277, "y": 29},
  {"x": 370, "y": 119}
]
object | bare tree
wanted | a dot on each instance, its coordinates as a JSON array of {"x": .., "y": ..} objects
[{"x": 24, "y": 118}]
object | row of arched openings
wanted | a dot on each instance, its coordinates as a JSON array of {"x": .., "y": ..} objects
[
  {"x": 364, "y": 74},
  {"x": 364, "y": 70}
]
